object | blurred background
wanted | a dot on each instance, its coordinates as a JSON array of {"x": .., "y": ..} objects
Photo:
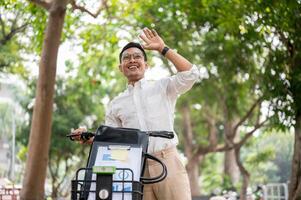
[{"x": 239, "y": 126}]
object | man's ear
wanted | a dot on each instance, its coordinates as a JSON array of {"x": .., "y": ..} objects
[
  {"x": 120, "y": 68},
  {"x": 146, "y": 65}
]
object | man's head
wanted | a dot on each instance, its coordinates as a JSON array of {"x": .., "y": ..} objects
[
  {"x": 130, "y": 45},
  {"x": 133, "y": 62}
]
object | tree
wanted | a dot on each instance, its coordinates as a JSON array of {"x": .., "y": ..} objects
[
  {"x": 36, "y": 165},
  {"x": 35, "y": 173},
  {"x": 279, "y": 23}
]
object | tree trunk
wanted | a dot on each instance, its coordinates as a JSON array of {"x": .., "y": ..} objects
[
  {"x": 295, "y": 180},
  {"x": 54, "y": 175},
  {"x": 230, "y": 165},
  {"x": 36, "y": 165},
  {"x": 193, "y": 160},
  {"x": 194, "y": 174},
  {"x": 245, "y": 175},
  {"x": 295, "y": 74}
]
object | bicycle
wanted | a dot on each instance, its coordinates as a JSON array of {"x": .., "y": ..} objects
[{"x": 104, "y": 181}]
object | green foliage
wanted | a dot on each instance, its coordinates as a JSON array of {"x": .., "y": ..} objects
[
  {"x": 269, "y": 157},
  {"x": 22, "y": 153},
  {"x": 250, "y": 50},
  {"x": 265, "y": 154},
  {"x": 38, "y": 21},
  {"x": 212, "y": 173},
  {"x": 281, "y": 36},
  {"x": 9, "y": 55},
  {"x": 21, "y": 33},
  {"x": 8, "y": 110},
  {"x": 6, "y": 118}
]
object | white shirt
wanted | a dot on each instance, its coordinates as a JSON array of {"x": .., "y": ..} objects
[{"x": 150, "y": 106}]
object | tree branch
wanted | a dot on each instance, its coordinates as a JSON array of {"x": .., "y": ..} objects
[
  {"x": 249, "y": 134},
  {"x": 222, "y": 148},
  {"x": 60, "y": 182},
  {"x": 226, "y": 147},
  {"x": 42, "y": 4},
  {"x": 290, "y": 47},
  {"x": 248, "y": 114},
  {"x": 14, "y": 22},
  {"x": 103, "y": 4},
  {"x": 245, "y": 175},
  {"x": 2, "y": 65},
  {"x": 8, "y": 36},
  {"x": 50, "y": 168}
]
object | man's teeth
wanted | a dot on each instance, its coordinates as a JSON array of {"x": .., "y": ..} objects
[{"x": 132, "y": 67}]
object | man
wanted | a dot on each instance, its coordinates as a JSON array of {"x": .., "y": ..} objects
[{"x": 150, "y": 106}]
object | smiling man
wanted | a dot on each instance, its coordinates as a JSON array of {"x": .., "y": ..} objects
[{"x": 150, "y": 106}]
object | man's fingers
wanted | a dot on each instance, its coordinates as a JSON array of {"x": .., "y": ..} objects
[
  {"x": 152, "y": 39},
  {"x": 148, "y": 33},
  {"x": 154, "y": 32},
  {"x": 79, "y": 130},
  {"x": 82, "y": 129},
  {"x": 144, "y": 38},
  {"x": 77, "y": 133}
]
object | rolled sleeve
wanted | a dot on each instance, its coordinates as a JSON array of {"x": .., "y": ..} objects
[{"x": 182, "y": 81}]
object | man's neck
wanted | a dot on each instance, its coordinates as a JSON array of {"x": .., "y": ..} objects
[{"x": 132, "y": 82}]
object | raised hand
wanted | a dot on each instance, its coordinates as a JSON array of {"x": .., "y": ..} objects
[{"x": 152, "y": 40}]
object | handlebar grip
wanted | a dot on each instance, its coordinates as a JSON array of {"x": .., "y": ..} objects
[
  {"x": 87, "y": 135},
  {"x": 83, "y": 136},
  {"x": 163, "y": 134}
]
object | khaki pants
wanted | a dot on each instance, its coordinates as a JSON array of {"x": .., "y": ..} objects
[{"x": 175, "y": 186}]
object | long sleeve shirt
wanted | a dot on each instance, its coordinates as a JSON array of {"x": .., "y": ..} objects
[{"x": 150, "y": 106}]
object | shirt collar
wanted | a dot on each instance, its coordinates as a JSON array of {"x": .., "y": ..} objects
[{"x": 141, "y": 83}]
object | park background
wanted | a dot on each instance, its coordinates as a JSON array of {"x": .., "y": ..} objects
[{"x": 239, "y": 126}]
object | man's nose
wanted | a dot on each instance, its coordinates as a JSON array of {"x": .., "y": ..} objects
[{"x": 132, "y": 59}]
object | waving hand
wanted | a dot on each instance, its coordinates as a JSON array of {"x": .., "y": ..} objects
[{"x": 152, "y": 40}]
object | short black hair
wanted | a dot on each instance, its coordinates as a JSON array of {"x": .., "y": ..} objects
[{"x": 130, "y": 45}]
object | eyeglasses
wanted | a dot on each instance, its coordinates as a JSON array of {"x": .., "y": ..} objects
[{"x": 128, "y": 57}]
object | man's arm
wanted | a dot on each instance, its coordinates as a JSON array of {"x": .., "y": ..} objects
[
  {"x": 110, "y": 119},
  {"x": 181, "y": 63},
  {"x": 154, "y": 42}
]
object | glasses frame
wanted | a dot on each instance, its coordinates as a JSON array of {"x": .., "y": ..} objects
[{"x": 127, "y": 57}]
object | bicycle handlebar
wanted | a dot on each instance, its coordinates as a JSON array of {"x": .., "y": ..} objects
[{"x": 87, "y": 135}]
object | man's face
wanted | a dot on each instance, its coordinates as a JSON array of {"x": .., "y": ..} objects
[{"x": 132, "y": 64}]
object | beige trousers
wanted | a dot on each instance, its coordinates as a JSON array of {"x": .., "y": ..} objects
[{"x": 175, "y": 186}]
